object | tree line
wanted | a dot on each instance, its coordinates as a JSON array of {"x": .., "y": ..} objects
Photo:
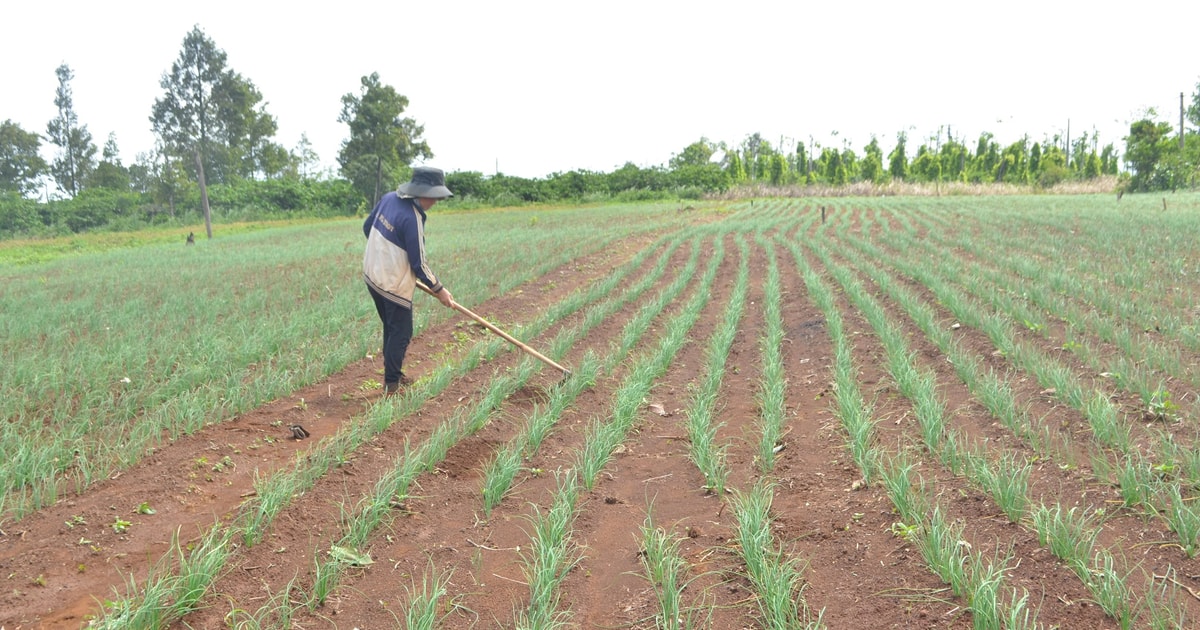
[{"x": 215, "y": 146}]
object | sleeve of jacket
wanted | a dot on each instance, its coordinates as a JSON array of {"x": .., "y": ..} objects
[
  {"x": 414, "y": 245},
  {"x": 370, "y": 221}
]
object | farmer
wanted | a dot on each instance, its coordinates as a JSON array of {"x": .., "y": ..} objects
[{"x": 394, "y": 261}]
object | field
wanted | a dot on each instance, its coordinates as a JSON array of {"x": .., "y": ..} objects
[{"x": 944, "y": 412}]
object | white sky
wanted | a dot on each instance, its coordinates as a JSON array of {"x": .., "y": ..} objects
[{"x": 537, "y": 87}]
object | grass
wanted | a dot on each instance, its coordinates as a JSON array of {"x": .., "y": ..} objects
[
  {"x": 1070, "y": 534},
  {"x": 772, "y": 388},
  {"x": 425, "y": 607},
  {"x": 667, "y": 573},
  {"x": 603, "y": 436},
  {"x": 774, "y": 574},
  {"x": 1160, "y": 480},
  {"x": 708, "y": 456}
]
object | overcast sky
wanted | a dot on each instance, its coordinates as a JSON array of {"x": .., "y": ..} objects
[{"x": 533, "y": 88}]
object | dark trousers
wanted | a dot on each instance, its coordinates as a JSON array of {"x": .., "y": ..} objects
[{"x": 397, "y": 332}]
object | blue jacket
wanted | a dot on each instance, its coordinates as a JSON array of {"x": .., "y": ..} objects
[{"x": 394, "y": 259}]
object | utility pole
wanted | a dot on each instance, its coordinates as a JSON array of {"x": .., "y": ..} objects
[{"x": 1181, "y": 121}]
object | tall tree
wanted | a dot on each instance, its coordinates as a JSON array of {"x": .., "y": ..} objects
[
  {"x": 213, "y": 117},
  {"x": 382, "y": 143},
  {"x": 777, "y": 167},
  {"x": 1193, "y": 110},
  {"x": 76, "y": 151},
  {"x": 898, "y": 159},
  {"x": 246, "y": 129},
  {"x": 20, "y": 164},
  {"x": 751, "y": 146},
  {"x": 305, "y": 158},
  {"x": 871, "y": 167},
  {"x": 735, "y": 167},
  {"x": 186, "y": 117}
]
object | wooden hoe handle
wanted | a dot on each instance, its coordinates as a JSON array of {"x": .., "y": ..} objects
[{"x": 507, "y": 337}]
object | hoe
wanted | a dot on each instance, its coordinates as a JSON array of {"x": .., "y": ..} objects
[{"x": 507, "y": 337}]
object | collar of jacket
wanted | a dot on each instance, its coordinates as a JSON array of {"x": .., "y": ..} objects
[{"x": 417, "y": 204}]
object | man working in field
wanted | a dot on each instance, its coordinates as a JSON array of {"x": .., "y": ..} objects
[{"x": 395, "y": 260}]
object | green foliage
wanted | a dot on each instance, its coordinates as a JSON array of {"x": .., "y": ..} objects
[
  {"x": 381, "y": 144},
  {"x": 1145, "y": 149},
  {"x": 276, "y": 198},
  {"x": 872, "y": 163},
  {"x": 698, "y": 153},
  {"x": 18, "y": 215},
  {"x": 76, "y": 151},
  {"x": 20, "y": 164},
  {"x": 210, "y": 109},
  {"x": 104, "y": 208},
  {"x": 94, "y": 208},
  {"x": 707, "y": 177},
  {"x": 735, "y": 168},
  {"x": 898, "y": 159}
]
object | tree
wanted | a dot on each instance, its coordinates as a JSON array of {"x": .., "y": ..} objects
[
  {"x": 1014, "y": 163},
  {"x": 212, "y": 116},
  {"x": 20, "y": 164},
  {"x": 751, "y": 146},
  {"x": 185, "y": 118},
  {"x": 777, "y": 167},
  {"x": 831, "y": 167},
  {"x": 871, "y": 167},
  {"x": 1145, "y": 147},
  {"x": 897, "y": 159},
  {"x": 109, "y": 173},
  {"x": 246, "y": 130},
  {"x": 737, "y": 172},
  {"x": 76, "y": 151},
  {"x": 1193, "y": 110},
  {"x": 697, "y": 153},
  {"x": 1108, "y": 160},
  {"x": 305, "y": 158},
  {"x": 382, "y": 144},
  {"x": 802, "y": 161}
]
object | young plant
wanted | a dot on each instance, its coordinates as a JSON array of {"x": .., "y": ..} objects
[
  {"x": 1070, "y": 534},
  {"x": 424, "y": 601}
]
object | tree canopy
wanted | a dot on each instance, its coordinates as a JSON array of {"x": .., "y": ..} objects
[
  {"x": 382, "y": 143},
  {"x": 76, "y": 152},
  {"x": 213, "y": 116},
  {"x": 20, "y": 163}
]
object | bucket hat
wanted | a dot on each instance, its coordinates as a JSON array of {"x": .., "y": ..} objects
[{"x": 426, "y": 182}]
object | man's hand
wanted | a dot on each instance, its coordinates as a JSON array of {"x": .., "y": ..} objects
[{"x": 445, "y": 298}]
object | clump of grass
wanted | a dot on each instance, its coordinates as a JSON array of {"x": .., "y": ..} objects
[
  {"x": 1135, "y": 481},
  {"x": 1007, "y": 480},
  {"x": 550, "y": 558},
  {"x": 1070, "y": 534},
  {"x": 1111, "y": 590},
  {"x": 986, "y": 579},
  {"x": 1163, "y": 610},
  {"x": 424, "y": 601},
  {"x": 942, "y": 545},
  {"x": 1184, "y": 519},
  {"x": 667, "y": 571},
  {"x": 775, "y": 576},
  {"x": 897, "y": 479}
]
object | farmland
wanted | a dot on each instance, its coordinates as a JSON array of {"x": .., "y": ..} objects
[{"x": 945, "y": 412}]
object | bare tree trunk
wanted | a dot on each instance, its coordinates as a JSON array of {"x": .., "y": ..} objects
[
  {"x": 378, "y": 178},
  {"x": 203, "y": 194}
]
